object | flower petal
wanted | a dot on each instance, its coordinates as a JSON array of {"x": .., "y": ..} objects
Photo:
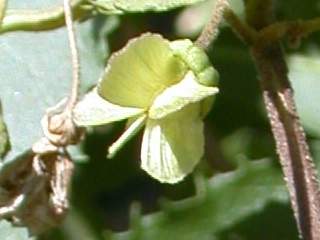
[
  {"x": 172, "y": 146},
  {"x": 140, "y": 71},
  {"x": 94, "y": 110},
  {"x": 179, "y": 95},
  {"x": 126, "y": 136}
]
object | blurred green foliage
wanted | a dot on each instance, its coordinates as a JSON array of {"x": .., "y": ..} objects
[{"x": 232, "y": 195}]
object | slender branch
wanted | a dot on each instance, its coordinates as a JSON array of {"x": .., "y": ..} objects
[
  {"x": 272, "y": 33},
  {"x": 246, "y": 33},
  {"x": 39, "y": 20},
  {"x": 74, "y": 55},
  {"x": 210, "y": 31},
  {"x": 295, "y": 158},
  {"x": 297, "y": 164},
  {"x": 292, "y": 29}
]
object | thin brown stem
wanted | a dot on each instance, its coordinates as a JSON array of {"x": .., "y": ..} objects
[
  {"x": 295, "y": 158},
  {"x": 272, "y": 33},
  {"x": 74, "y": 56},
  {"x": 297, "y": 164},
  {"x": 291, "y": 29},
  {"x": 246, "y": 33},
  {"x": 210, "y": 31}
]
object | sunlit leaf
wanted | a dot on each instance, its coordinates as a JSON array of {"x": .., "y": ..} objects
[
  {"x": 123, "y": 6},
  {"x": 37, "y": 69}
]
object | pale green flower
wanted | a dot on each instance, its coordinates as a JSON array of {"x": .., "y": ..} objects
[{"x": 166, "y": 87}]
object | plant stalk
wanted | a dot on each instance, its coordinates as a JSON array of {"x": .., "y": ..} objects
[
  {"x": 210, "y": 31},
  {"x": 297, "y": 164},
  {"x": 292, "y": 148},
  {"x": 74, "y": 56},
  {"x": 263, "y": 35}
]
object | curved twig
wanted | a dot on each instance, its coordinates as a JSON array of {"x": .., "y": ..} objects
[{"x": 74, "y": 56}]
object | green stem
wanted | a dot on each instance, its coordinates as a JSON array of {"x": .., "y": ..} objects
[
  {"x": 38, "y": 20},
  {"x": 126, "y": 136}
]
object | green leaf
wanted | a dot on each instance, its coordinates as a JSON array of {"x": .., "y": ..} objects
[
  {"x": 4, "y": 137},
  {"x": 227, "y": 199},
  {"x": 9, "y": 232},
  {"x": 304, "y": 75},
  {"x": 123, "y": 6},
  {"x": 37, "y": 70},
  {"x": 31, "y": 4}
]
